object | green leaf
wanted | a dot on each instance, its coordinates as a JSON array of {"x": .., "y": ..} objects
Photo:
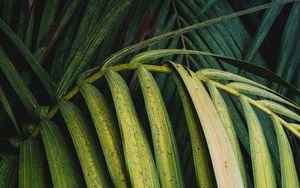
[
  {"x": 48, "y": 16},
  {"x": 289, "y": 177},
  {"x": 67, "y": 13},
  {"x": 61, "y": 163},
  {"x": 166, "y": 153},
  {"x": 31, "y": 165},
  {"x": 267, "y": 22},
  {"x": 203, "y": 168},
  {"x": 226, "y": 168},
  {"x": 85, "y": 145},
  {"x": 155, "y": 54},
  {"x": 90, "y": 45},
  {"x": 215, "y": 74},
  {"x": 42, "y": 74},
  {"x": 252, "y": 90},
  {"x": 106, "y": 128},
  {"x": 30, "y": 26},
  {"x": 257, "y": 70},
  {"x": 113, "y": 59},
  {"x": 63, "y": 48},
  {"x": 17, "y": 83},
  {"x": 288, "y": 44},
  {"x": 7, "y": 108},
  {"x": 263, "y": 172},
  {"x": 207, "y": 6},
  {"x": 138, "y": 156},
  {"x": 280, "y": 109},
  {"x": 89, "y": 18},
  {"x": 8, "y": 172}
]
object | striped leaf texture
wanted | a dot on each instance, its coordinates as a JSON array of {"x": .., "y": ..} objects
[
  {"x": 203, "y": 168},
  {"x": 107, "y": 131},
  {"x": 31, "y": 162},
  {"x": 138, "y": 155},
  {"x": 288, "y": 171},
  {"x": 139, "y": 93},
  {"x": 226, "y": 168},
  {"x": 85, "y": 145},
  {"x": 60, "y": 160},
  {"x": 9, "y": 171},
  {"x": 166, "y": 153},
  {"x": 261, "y": 160}
]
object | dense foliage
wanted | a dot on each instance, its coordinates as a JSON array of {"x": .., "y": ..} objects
[{"x": 137, "y": 93}]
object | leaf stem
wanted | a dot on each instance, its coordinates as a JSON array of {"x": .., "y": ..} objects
[
  {"x": 100, "y": 74},
  {"x": 253, "y": 103}
]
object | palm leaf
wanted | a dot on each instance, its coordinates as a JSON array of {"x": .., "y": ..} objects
[
  {"x": 9, "y": 171},
  {"x": 138, "y": 156},
  {"x": 288, "y": 170},
  {"x": 31, "y": 162},
  {"x": 96, "y": 36},
  {"x": 16, "y": 81},
  {"x": 203, "y": 168},
  {"x": 7, "y": 108},
  {"x": 106, "y": 128},
  {"x": 61, "y": 163},
  {"x": 166, "y": 154},
  {"x": 226, "y": 168},
  {"x": 222, "y": 110},
  {"x": 261, "y": 160},
  {"x": 93, "y": 168},
  {"x": 140, "y": 120},
  {"x": 36, "y": 67}
]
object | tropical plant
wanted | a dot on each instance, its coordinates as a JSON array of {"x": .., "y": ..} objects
[{"x": 149, "y": 93}]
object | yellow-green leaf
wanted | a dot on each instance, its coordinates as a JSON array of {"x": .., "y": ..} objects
[
  {"x": 106, "y": 128},
  {"x": 166, "y": 152},
  {"x": 280, "y": 109},
  {"x": 263, "y": 172},
  {"x": 203, "y": 169},
  {"x": 228, "y": 124},
  {"x": 138, "y": 156},
  {"x": 215, "y": 74},
  {"x": 85, "y": 145},
  {"x": 252, "y": 90},
  {"x": 60, "y": 160},
  {"x": 289, "y": 177},
  {"x": 226, "y": 168}
]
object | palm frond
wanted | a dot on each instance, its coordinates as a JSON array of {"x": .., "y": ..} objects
[{"x": 149, "y": 93}]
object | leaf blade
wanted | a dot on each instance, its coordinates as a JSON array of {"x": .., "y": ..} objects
[
  {"x": 61, "y": 163},
  {"x": 42, "y": 74},
  {"x": 7, "y": 108},
  {"x": 31, "y": 173},
  {"x": 166, "y": 153},
  {"x": 222, "y": 110},
  {"x": 89, "y": 46},
  {"x": 204, "y": 171},
  {"x": 107, "y": 133},
  {"x": 17, "y": 83},
  {"x": 138, "y": 156},
  {"x": 252, "y": 90},
  {"x": 226, "y": 168},
  {"x": 9, "y": 171},
  {"x": 289, "y": 176},
  {"x": 261, "y": 160},
  {"x": 85, "y": 146}
]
